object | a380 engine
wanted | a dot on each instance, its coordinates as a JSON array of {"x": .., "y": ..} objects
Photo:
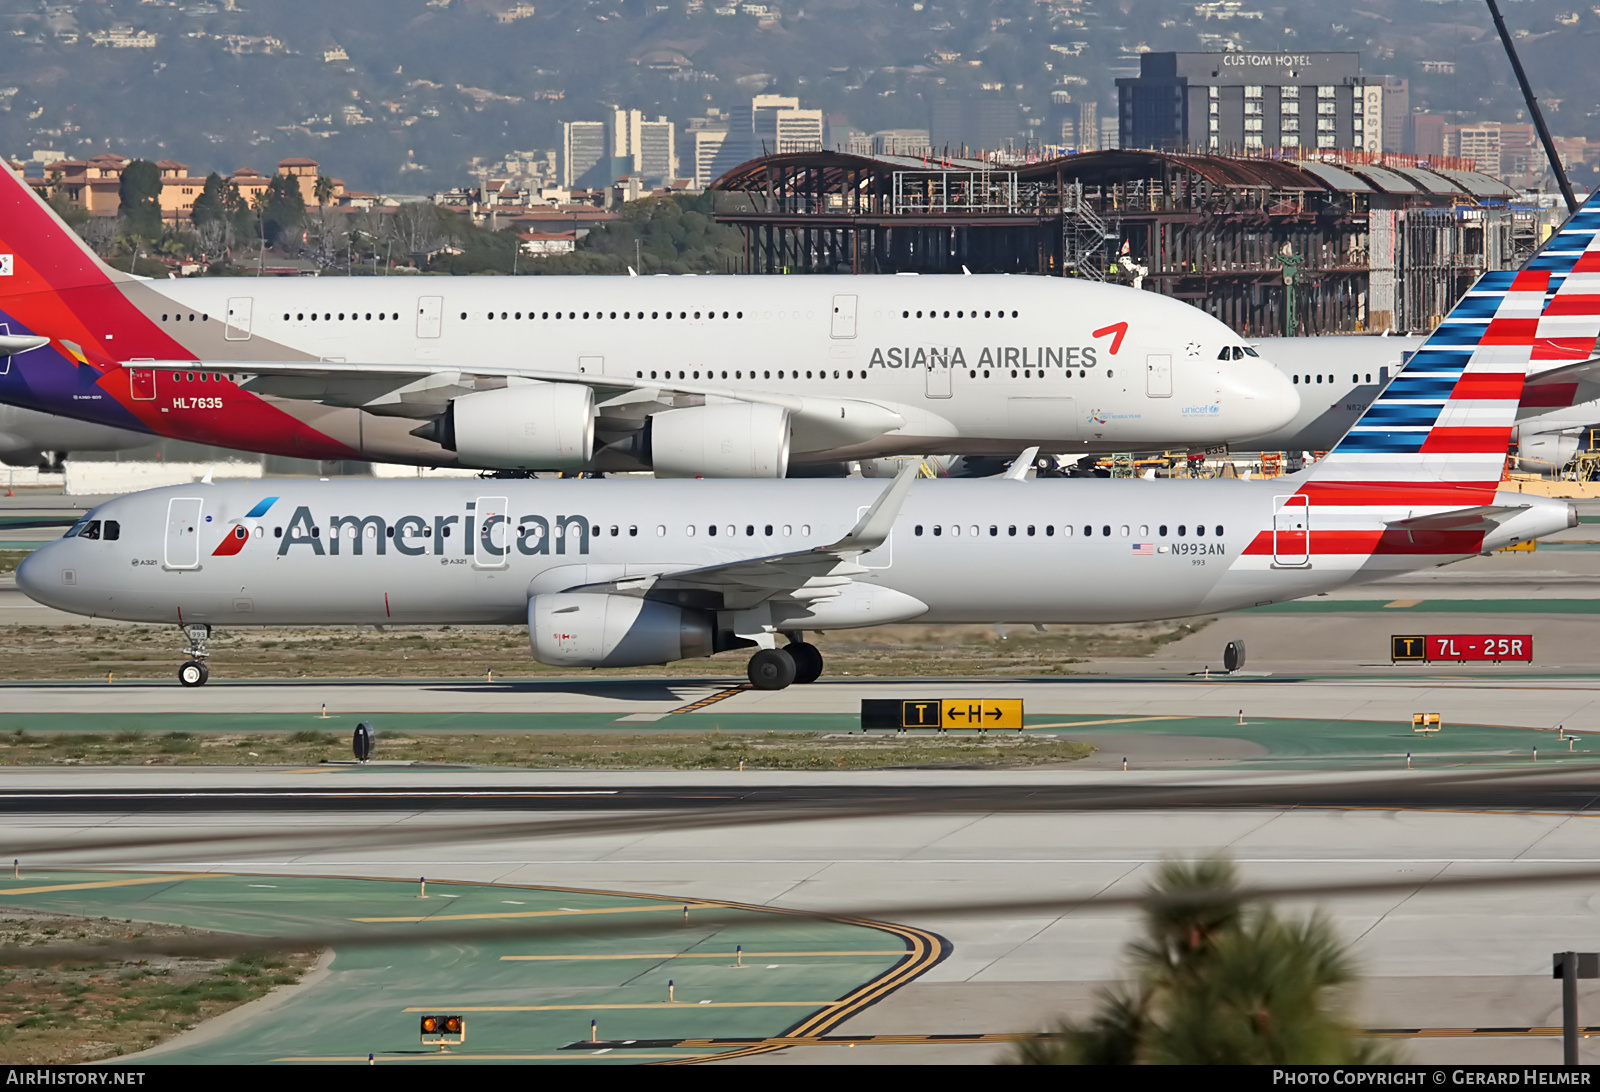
[
  {"x": 552, "y": 426},
  {"x": 533, "y": 426},
  {"x": 728, "y": 440},
  {"x": 590, "y": 629},
  {"x": 1546, "y": 452}
]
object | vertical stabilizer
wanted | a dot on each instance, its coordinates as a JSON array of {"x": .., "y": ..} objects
[{"x": 45, "y": 254}]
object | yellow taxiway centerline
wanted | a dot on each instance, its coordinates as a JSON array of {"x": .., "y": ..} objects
[
  {"x": 447, "y": 1056},
  {"x": 709, "y": 955},
  {"x": 108, "y": 883},
  {"x": 640, "y": 1005},
  {"x": 656, "y": 907},
  {"x": 1091, "y": 723}
]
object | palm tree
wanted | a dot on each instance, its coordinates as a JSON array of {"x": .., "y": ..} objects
[{"x": 1218, "y": 982}]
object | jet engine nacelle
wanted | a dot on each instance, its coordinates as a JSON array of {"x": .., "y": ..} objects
[
  {"x": 732, "y": 440},
  {"x": 592, "y": 629},
  {"x": 1546, "y": 451},
  {"x": 532, "y": 426}
]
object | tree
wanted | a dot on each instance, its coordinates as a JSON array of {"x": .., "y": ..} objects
[
  {"x": 59, "y": 198},
  {"x": 283, "y": 210},
  {"x": 140, "y": 194},
  {"x": 221, "y": 216},
  {"x": 1219, "y": 982}
]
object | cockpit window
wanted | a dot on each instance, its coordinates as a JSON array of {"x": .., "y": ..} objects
[
  {"x": 1250, "y": 352},
  {"x": 1235, "y": 352},
  {"x": 109, "y": 530}
]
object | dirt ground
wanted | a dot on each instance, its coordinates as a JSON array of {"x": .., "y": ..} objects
[
  {"x": 84, "y": 1012},
  {"x": 154, "y": 652},
  {"x": 609, "y": 751}
]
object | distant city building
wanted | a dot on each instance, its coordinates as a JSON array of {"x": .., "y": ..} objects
[
  {"x": 796, "y": 130},
  {"x": 1427, "y": 134},
  {"x": 1397, "y": 134},
  {"x": 583, "y": 149},
  {"x": 1110, "y": 134},
  {"x": 651, "y": 147},
  {"x": 95, "y": 185},
  {"x": 910, "y": 142},
  {"x": 124, "y": 37},
  {"x": 1233, "y": 101},
  {"x": 707, "y": 151},
  {"x": 764, "y": 125}
]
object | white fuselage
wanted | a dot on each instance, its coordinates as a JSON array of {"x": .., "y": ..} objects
[
  {"x": 980, "y": 364},
  {"x": 296, "y": 552}
]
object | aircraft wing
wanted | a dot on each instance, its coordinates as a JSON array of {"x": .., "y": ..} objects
[
  {"x": 423, "y": 390},
  {"x": 817, "y": 573}
]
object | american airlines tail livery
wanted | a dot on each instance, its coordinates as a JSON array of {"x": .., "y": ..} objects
[
  {"x": 687, "y": 376},
  {"x": 623, "y": 573},
  {"x": 1562, "y": 395}
]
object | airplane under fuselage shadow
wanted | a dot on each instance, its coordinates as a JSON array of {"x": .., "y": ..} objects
[{"x": 639, "y": 690}]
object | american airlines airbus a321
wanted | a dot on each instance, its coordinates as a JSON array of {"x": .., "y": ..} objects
[
  {"x": 687, "y": 376},
  {"x": 623, "y": 573}
]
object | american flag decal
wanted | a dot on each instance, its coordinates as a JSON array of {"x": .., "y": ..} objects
[{"x": 1144, "y": 549}]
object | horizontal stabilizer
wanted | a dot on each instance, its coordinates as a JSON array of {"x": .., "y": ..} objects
[
  {"x": 1560, "y": 388},
  {"x": 12, "y": 344},
  {"x": 1485, "y": 517}
]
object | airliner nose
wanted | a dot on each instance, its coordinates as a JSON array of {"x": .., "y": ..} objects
[
  {"x": 1270, "y": 399},
  {"x": 33, "y": 578},
  {"x": 29, "y": 572}
]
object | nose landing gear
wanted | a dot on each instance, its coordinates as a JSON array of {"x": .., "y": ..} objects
[{"x": 194, "y": 671}]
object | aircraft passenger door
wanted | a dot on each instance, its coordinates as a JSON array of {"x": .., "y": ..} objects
[
  {"x": 1291, "y": 531},
  {"x": 141, "y": 381},
  {"x": 238, "y": 328},
  {"x": 938, "y": 377},
  {"x": 1158, "y": 375},
  {"x": 183, "y": 533},
  {"x": 883, "y": 556},
  {"x": 844, "y": 316},
  {"x": 494, "y": 534},
  {"x": 430, "y": 315}
]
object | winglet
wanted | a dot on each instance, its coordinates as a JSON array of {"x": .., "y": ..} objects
[
  {"x": 632, "y": 272},
  {"x": 872, "y": 530},
  {"x": 210, "y": 470},
  {"x": 1018, "y": 470}
]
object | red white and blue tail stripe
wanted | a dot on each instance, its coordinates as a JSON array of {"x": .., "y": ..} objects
[
  {"x": 1415, "y": 481},
  {"x": 1447, "y": 417}
]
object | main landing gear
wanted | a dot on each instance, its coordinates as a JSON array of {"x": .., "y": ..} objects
[
  {"x": 194, "y": 671},
  {"x": 776, "y": 668}
]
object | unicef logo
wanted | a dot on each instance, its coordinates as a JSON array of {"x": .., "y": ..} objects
[{"x": 1213, "y": 408}]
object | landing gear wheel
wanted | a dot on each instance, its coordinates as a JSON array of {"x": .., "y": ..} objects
[
  {"x": 193, "y": 673},
  {"x": 807, "y": 661},
  {"x": 771, "y": 669}
]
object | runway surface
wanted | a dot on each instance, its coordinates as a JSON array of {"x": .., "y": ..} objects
[
  {"x": 1311, "y": 788},
  {"x": 1432, "y": 958}
]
